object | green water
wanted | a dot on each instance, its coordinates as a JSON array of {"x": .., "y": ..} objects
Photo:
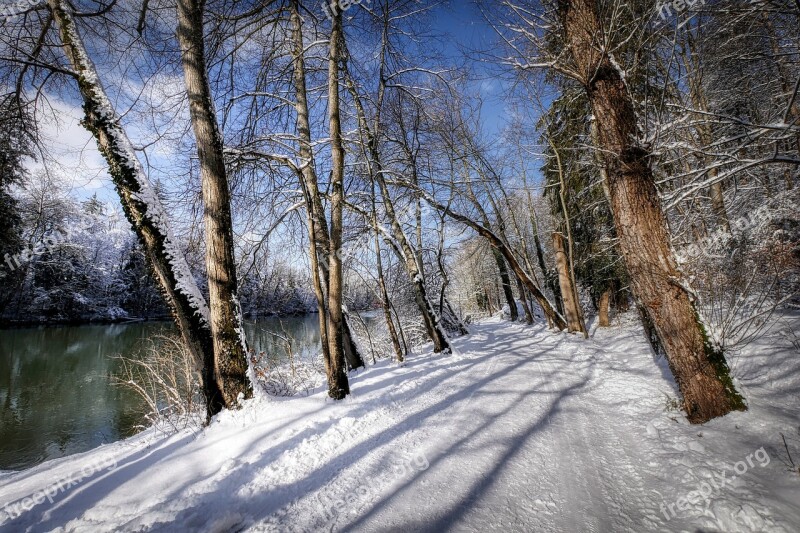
[{"x": 57, "y": 395}]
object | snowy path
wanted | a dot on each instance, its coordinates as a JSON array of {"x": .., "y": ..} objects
[{"x": 521, "y": 429}]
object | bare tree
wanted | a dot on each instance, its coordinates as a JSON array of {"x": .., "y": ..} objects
[
  {"x": 142, "y": 206},
  {"x": 402, "y": 246},
  {"x": 230, "y": 343},
  {"x": 338, "y": 386}
]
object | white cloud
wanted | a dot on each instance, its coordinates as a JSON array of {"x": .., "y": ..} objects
[{"x": 74, "y": 157}]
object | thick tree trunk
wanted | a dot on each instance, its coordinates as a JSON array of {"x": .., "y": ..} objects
[
  {"x": 230, "y": 344},
  {"x": 701, "y": 373},
  {"x": 317, "y": 225},
  {"x": 338, "y": 385},
  {"x": 142, "y": 208},
  {"x": 571, "y": 313},
  {"x": 602, "y": 309}
]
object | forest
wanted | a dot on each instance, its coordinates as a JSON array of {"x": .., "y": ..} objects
[{"x": 417, "y": 175}]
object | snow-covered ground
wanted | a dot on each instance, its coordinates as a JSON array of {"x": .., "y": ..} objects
[{"x": 521, "y": 429}]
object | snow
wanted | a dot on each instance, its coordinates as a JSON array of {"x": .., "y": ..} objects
[{"x": 520, "y": 429}]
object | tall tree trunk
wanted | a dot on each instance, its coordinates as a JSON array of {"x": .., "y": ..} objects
[
  {"x": 566, "y": 264},
  {"x": 142, "y": 208},
  {"x": 230, "y": 344},
  {"x": 338, "y": 385},
  {"x": 315, "y": 212},
  {"x": 701, "y": 372},
  {"x": 505, "y": 281},
  {"x": 602, "y": 309},
  {"x": 571, "y": 313},
  {"x": 524, "y": 299}
]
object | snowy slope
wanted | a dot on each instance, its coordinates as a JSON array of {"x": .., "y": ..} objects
[{"x": 521, "y": 429}]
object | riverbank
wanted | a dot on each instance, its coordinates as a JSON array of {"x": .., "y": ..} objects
[
  {"x": 521, "y": 429},
  {"x": 30, "y": 323},
  {"x": 60, "y": 392}
]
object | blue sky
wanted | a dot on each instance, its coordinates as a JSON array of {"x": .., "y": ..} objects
[{"x": 84, "y": 170}]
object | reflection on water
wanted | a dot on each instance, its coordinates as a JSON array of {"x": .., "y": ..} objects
[
  {"x": 56, "y": 391},
  {"x": 268, "y": 334}
]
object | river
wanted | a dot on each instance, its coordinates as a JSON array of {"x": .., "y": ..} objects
[{"x": 57, "y": 395}]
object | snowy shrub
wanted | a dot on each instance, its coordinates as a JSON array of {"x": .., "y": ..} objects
[
  {"x": 286, "y": 372},
  {"x": 742, "y": 278},
  {"x": 372, "y": 336},
  {"x": 165, "y": 378}
]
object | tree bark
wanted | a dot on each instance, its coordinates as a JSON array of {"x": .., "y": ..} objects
[
  {"x": 338, "y": 385},
  {"x": 505, "y": 281},
  {"x": 566, "y": 264},
  {"x": 142, "y": 208},
  {"x": 701, "y": 372},
  {"x": 602, "y": 309},
  {"x": 230, "y": 344},
  {"x": 571, "y": 313},
  {"x": 315, "y": 212}
]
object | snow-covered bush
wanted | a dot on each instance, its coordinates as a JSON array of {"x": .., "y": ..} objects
[
  {"x": 288, "y": 370},
  {"x": 165, "y": 378},
  {"x": 742, "y": 278}
]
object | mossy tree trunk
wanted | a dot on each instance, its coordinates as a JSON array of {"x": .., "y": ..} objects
[
  {"x": 142, "y": 207},
  {"x": 701, "y": 373}
]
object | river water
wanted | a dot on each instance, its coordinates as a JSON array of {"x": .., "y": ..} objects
[{"x": 57, "y": 395}]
